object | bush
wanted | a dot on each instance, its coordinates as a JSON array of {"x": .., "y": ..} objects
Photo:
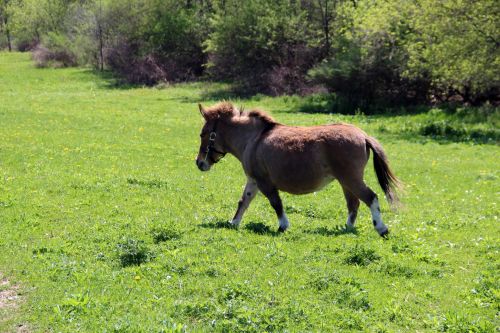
[
  {"x": 122, "y": 59},
  {"x": 154, "y": 41},
  {"x": 54, "y": 52},
  {"x": 290, "y": 77},
  {"x": 26, "y": 45},
  {"x": 44, "y": 57},
  {"x": 260, "y": 48},
  {"x": 368, "y": 60}
]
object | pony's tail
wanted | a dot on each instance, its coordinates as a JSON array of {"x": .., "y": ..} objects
[{"x": 386, "y": 178}]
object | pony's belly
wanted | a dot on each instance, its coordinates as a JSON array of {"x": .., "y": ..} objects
[{"x": 298, "y": 185}]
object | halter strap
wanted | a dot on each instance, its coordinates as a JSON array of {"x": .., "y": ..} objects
[{"x": 211, "y": 144}]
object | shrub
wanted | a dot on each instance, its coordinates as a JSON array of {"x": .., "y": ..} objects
[
  {"x": 260, "y": 48},
  {"x": 44, "y": 57},
  {"x": 153, "y": 41},
  {"x": 54, "y": 52},
  {"x": 26, "y": 45},
  {"x": 123, "y": 60}
]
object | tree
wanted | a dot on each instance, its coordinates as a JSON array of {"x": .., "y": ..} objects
[
  {"x": 5, "y": 21},
  {"x": 456, "y": 44}
]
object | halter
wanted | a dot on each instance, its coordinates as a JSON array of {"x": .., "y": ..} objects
[{"x": 211, "y": 145}]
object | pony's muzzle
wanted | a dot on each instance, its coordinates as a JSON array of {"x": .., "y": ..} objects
[{"x": 202, "y": 165}]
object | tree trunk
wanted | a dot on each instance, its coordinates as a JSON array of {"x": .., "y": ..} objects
[
  {"x": 7, "y": 33},
  {"x": 9, "y": 42},
  {"x": 101, "y": 53},
  {"x": 325, "y": 22},
  {"x": 100, "y": 38}
]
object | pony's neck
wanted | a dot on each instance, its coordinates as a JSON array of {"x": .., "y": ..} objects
[{"x": 239, "y": 135}]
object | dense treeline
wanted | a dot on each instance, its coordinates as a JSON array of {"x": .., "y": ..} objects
[{"x": 365, "y": 51}]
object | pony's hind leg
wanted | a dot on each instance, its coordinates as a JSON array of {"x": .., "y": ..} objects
[
  {"x": 273, "y": 196},
  {"x": 377, "y": 218},
  {"x": 352, "y": 207},
  {"x": 248, "y": 194},
  {"x": 369, "y": 197}
]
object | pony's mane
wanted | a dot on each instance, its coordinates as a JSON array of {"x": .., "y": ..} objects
[
  {"x": 262, "y": 116},
  {"x": 220, "y": 110},
  {"x": 226, "y": 110}
]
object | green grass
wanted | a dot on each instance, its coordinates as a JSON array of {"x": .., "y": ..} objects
[{"x": 107, "y": 225}]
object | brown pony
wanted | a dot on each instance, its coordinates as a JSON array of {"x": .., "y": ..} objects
[{"x": 296, "y": 160}]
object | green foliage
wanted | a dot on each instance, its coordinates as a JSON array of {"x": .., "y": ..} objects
[
  {"x": 251, "y": 41},
  {"x": 33, "y": 19},
  {"x": 487, "y": 288},
  {"x": 175, "y": 34},
  {"x": 399, "y": 52},
  {"x": 370, "y": 54},
  {"x": 368, "y": 59},
  {"x": 456, "y": 44}
]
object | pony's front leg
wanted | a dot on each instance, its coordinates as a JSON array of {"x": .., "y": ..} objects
[{"x": 247, "y": 197}]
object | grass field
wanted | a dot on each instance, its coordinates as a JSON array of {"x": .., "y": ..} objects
[{"x": 106, "y": 224}]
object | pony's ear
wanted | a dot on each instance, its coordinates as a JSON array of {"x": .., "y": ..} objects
[{"x": 202, "y": 111}]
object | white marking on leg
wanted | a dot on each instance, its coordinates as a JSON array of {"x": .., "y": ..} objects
[
  {"x": 247, "y": 197},
  {"x": 283, "y": 220},
  {"x": 377, "y": 218}
]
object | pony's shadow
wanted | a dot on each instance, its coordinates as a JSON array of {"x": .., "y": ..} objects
[
  {"x": 255, "y": 227},
  {"x": 220, "y": 224},
  {"x": 336, "y": 231},
  {"x": 260, "y": 229}
]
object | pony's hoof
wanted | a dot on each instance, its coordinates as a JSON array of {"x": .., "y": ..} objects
[
  {"x": 350, "y": 227},
  {"x": 281, "y": 229},
  {"x": 385, "y": 234}
]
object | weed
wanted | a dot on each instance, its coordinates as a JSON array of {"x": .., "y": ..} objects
[
  {"x": 165, "y": 233},
  {"x": 360, "y": 255},
  {"x": 132, "y": 252},
  {"x": 324, "y": 282},
  {"x": 400, "y": 246},
  {"x": 487, "y": 289},
  {"x": 148, "y": 183},
  {"x": 396, "y": 269},
  {"x": 454, "y": 322}
]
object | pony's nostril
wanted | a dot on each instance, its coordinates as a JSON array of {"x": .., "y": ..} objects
[{"x": 200, "y": 165}]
